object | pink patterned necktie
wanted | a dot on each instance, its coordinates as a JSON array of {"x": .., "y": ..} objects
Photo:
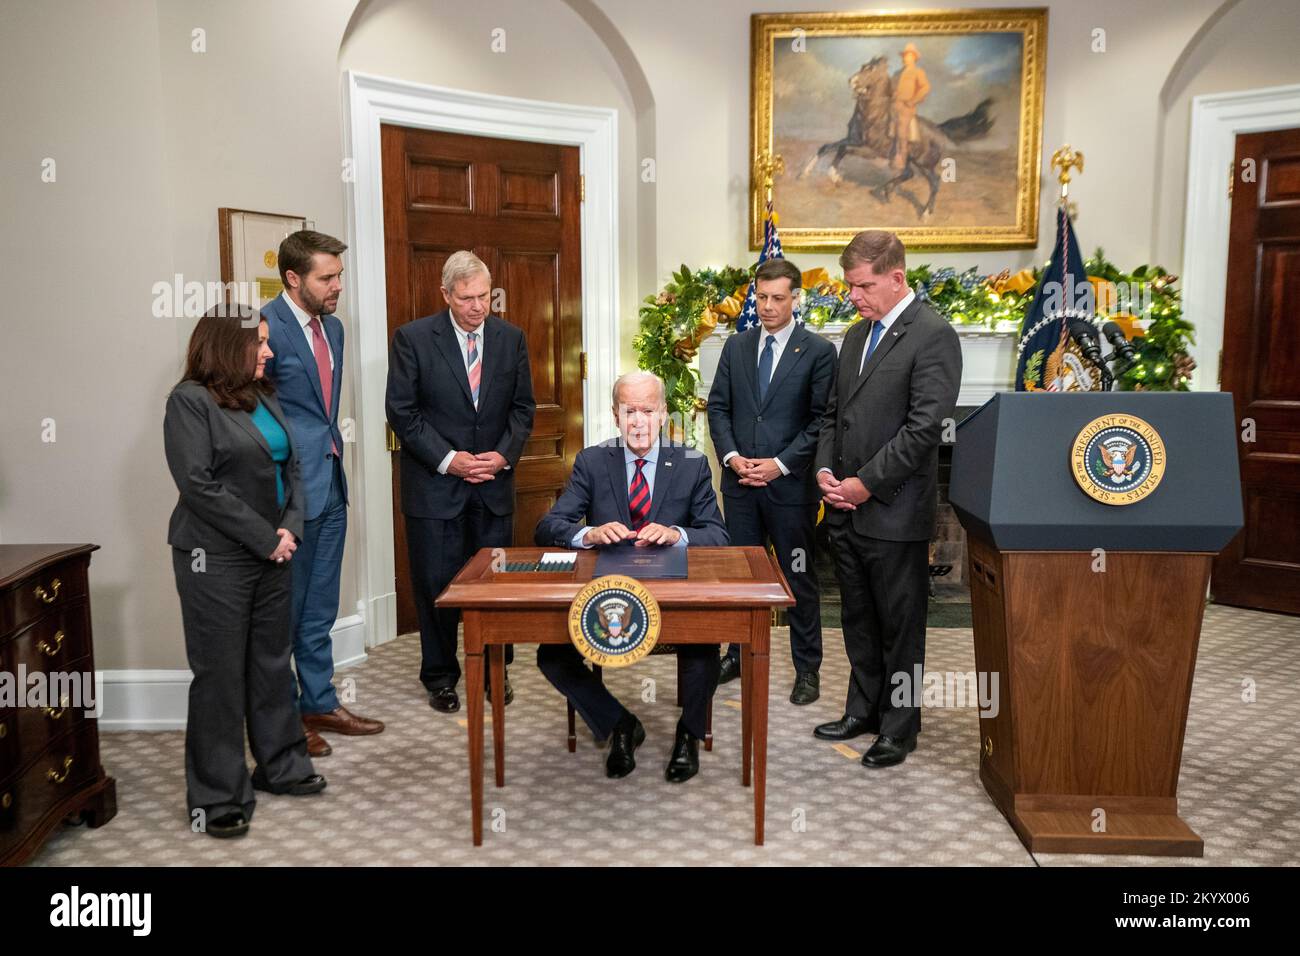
[
  {"x": 322, "y": 353},
  {"x": 473, "y": 366}
]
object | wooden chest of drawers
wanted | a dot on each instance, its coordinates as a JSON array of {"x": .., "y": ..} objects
[{"x": 49, "y": 749}]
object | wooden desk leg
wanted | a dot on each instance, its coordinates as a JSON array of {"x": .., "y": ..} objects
[
  {"x": 746, "y": 710},
  {"x": 497, "y": 659},
  {"x": 758, "y": 693},
  {"x": 474, "y": 691}
]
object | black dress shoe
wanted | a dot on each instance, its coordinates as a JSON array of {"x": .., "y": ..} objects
[
  {"x": 807, "y": 688},
  {"x": 510, "y": 691},
  {"x": 232, "y": 824},
  {"x": 887, "y": 751},
  {"x": 627, "y": 736},
  {"x": 845, "y": 728},
  {"x": 444, "y": 699},
  {"x": 301, "y": 788},
  {"x": 685, "y": 761},
  {"x": 729, "y": 670}
]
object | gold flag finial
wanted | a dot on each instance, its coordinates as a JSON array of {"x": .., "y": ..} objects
[
  {"x": 1066, "y": 159},
  {"x": 766, "y": 167}
]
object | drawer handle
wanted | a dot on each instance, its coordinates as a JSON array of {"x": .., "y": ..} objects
[
  {"x": 55, "y": 777},
  {"x": 52, "y": 713},
  {"x": 4, "y": 731},
  {"x": 50, "y": 650},
  {"x": 50, "y": 596},
  {"x": 6, "y": 801},
  {"x": 988, "y": 746}
]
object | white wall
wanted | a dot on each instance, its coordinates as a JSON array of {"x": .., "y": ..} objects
[
  {"x": 150, "y": 138},
  {"x": 1251, "y": 45}
]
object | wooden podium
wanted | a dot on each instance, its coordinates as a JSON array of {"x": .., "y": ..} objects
[
  {"x": 728, "y": 596},
  {"x": 1090, "y": 613}
]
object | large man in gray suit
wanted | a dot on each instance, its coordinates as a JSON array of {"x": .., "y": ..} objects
[{"x": 877, "y": 462}]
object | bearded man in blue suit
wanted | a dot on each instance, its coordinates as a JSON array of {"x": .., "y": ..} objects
[{"x": 307, "y": 339}]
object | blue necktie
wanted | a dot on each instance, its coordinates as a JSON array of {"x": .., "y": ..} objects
[
  {"x": 765, "y": 368},
  {"x": 876, "y": 328}
]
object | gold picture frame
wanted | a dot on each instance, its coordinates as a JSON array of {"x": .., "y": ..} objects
[
  {"x": 249, "y": 243},
  {"x": 829, "y": 180}
]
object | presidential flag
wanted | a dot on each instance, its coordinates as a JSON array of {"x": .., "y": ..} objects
[
  {"x": 1046, "y": 361},
  {"x": 747, "y": 318}
]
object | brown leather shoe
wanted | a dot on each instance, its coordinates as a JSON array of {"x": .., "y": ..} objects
[
  {"x": 342, "y": 721},
  {"x": 317, "y": 746}
]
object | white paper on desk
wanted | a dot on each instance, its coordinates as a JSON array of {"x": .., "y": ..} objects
[{"x": 560, "y": 557}]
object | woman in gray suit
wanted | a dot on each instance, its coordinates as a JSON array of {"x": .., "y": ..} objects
[{"x": 233, "y": 533}]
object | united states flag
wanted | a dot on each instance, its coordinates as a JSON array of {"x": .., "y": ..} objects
[{"x": 748, "y": 317}]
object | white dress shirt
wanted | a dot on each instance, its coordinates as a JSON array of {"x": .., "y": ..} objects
[
  {"x": 304, "y": 320},
  {"x": 462, "y": 337},
  {"x": 648, "y": 472},
  {"x": 782, "y": 337},
  {"x": 885, "y": 323}
]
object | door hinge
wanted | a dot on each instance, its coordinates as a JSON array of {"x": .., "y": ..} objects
[
  {"x": 1219, "y": 380},
  {"x": 582, "y": 366},
  {"x": 1232, "y": 176},
  {"x": 391, "y": 441},
  {"x": 582, "y": 187}
]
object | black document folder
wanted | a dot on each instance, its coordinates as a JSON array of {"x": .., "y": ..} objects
[{"x": 653, "y": 561}]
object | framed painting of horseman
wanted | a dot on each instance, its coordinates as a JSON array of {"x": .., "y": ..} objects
[{"x": 924, "y": 123}]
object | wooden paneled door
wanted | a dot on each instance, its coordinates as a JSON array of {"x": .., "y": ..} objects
[
  {"x": 1261, "y": 367},
  {"x": 516, "y": 206}
]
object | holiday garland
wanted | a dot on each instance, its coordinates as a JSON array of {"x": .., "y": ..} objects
[{"x": 1144, "y": 302}]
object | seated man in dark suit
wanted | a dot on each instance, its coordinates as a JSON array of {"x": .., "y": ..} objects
[{"x": 635, "y": 489}]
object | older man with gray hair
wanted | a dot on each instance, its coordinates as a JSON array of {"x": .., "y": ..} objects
[
  {"x": 635, "y": 491},
  {"x": 460, "y": 399}
]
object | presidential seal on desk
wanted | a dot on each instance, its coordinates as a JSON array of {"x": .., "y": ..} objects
[{"x": 614, "y": 621}]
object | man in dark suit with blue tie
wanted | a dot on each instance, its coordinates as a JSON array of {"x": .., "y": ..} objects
[
  {"x": 460, "y": 399},
  {"x": 877, "y": 468},
  {"x": 635, "y": 491},
  {"x": 765, "y": 410},
  {"x": 307, "y": 339}
]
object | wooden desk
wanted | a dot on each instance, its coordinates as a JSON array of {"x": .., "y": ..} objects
[{"x": 728, "y": 596}]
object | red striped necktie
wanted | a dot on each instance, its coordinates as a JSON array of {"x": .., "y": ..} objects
[{"x": 638, "y": 497}]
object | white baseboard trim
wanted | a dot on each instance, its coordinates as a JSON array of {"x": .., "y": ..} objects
[{"x": 159, "y": 699}]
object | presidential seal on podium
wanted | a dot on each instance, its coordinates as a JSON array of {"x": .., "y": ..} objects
[
  {"x": 614, "y": 621},
  {"x": 1118, "y": 459}
]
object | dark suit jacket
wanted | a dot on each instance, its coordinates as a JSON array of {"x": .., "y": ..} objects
[
  {"x": 885, "y": 425},
  {"x": 785, "y": 424},
  {"x": 226, "y": 476},
  {"x": 298, "y": 388},
  {"x": 431, "y": 411},
  {"x": 597, "y": 494}
]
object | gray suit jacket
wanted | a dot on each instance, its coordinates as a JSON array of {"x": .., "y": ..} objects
[
  {"x": 885, "y": 425},
  {"x": 226, "y": 476}
]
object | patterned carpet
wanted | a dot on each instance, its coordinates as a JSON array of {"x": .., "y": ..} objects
[{"x": 403, "y": 797}]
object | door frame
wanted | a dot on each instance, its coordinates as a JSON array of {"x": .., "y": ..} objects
[
  {"x": 369, "y": 101},
  {"x": 1217, "y": 119}
]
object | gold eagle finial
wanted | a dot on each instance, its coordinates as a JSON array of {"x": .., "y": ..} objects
[{"x": 1066, "y": 159}]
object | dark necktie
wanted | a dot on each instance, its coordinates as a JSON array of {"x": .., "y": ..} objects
[
  {"x": 638, "y": 497},
  {"x": 876, "y": 328},
  {"x": 765, "y": 368}
]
